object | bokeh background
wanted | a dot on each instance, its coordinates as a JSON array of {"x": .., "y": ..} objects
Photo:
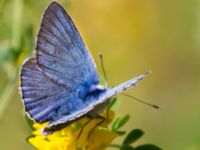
[{"x": 134, "y": 36}]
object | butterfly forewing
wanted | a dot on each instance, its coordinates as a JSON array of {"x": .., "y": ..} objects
[{"x": 61, "y": 52}]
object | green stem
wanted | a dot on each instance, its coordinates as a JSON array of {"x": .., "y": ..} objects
[
  {"x": 17, "y": 24},
  {"x": 5, "y": 96},
  {"x": 8, "y": 89},
  {"x": 10, "y": 86}
]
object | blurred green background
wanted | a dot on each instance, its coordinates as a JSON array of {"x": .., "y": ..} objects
[{"x": 134, "y": 36}]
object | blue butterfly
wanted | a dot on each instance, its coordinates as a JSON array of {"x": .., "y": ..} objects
[{"x": 60, "y": 84}]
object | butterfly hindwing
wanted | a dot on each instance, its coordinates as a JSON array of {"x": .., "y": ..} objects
[{"x": 45, "y": 99}]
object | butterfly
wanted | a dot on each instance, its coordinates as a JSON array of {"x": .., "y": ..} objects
[{"x": 60, "y": 84}]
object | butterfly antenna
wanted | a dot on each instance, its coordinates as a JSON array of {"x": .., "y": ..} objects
[
  {"x": 102, "y": 65},
  {"x": 141, "y": 101}
]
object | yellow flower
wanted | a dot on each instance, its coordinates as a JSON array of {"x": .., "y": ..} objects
[
  {"x": 67, "y": 138},
  {"x": 61, "y": 140}
]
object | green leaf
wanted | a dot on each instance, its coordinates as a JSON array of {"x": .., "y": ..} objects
[
  {"x": 115, "y": 146},
  {"x": 114, "y": 125},
  {"x": 133, "y": 136},
  {"x": 29, "y": 122},
  {"x": 119, "y": 122},
  {"x": 112, "y": 103},
  {"x": 127, "y": 148},
  {"x": 148, "y": 147}
]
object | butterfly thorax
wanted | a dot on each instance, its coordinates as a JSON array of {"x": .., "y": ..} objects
[
  {"x": 95, "y": 88},
  {"x": 94, "y": 92}
]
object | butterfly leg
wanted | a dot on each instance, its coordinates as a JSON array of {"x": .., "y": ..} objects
[
  {"x": 85, "y": 124},
  {"x": 108, "y": 109},
  {"x": 107, "y": 114},
  {"x": 99, "y": 123}
]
